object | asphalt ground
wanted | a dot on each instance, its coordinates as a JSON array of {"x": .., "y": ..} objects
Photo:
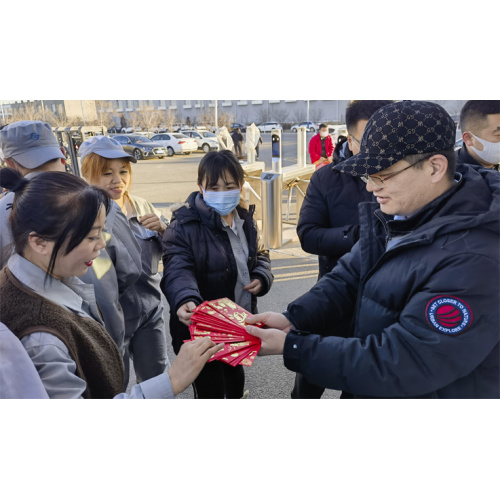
[{"x": 169, "y": 181}]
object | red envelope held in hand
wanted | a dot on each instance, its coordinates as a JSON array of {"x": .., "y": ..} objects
[{"x": 223, "y": 321}]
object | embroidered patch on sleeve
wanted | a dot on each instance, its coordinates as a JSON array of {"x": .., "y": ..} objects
[{"x": 448, "y": 315}]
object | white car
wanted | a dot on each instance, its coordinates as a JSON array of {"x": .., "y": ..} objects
[
  {"x": 207, "y": 141},
  {"x": 269, "y": 126},
  {"x": 310, "y": 126},
  {"x": 176, "y": 143},
  {"x": 336, "y": 130}
]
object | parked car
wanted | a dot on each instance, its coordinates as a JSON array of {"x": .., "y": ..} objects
[
  {"x": 146, "y": 134},
  {"x": 207, "y": 141},
  {"x": 114, "y": 130},
  {"x": 176, "y": 143},
  {"x": 234, "y": 126},
  {"x": 459, "y": 144},
  {"x": 140, "y": 146},
  {"x": 268, "y": 126},
  {"x": 310, "y": 126},
  {"x": 336, "y": 130}
]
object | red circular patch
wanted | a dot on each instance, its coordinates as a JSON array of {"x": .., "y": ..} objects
[{"x": 448, "y": 316}]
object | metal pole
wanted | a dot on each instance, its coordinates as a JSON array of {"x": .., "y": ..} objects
[
  {"x": 83, "y": 114},
  {"x": 3, "y": 114},
  {"x": 43, "y": 111},
  {"x": 216, "y": 123},
  {"x": 307, "y": 113}
]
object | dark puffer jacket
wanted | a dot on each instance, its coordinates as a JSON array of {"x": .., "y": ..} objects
[
  {"x": 329, "y": 218},
  {"x": 199, "y": 263},
  {"x": 465, "y": 160},
  {"x": 426, "y": 310}
]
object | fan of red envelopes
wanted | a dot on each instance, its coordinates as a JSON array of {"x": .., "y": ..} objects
[{"x": 224, "y": 322}]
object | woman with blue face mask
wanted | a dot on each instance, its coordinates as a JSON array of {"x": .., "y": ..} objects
[{"x": 212, "y": 250}]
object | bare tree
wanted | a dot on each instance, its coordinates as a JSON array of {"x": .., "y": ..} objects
[
  {"x": 169, "y": 119},
  {"x": 242, "y": 116},
  {"x": 262, "y": 114},
  {"x": 315, "y": 114},
  {"x": 281, "y": 115},
  {"x": 149, "y": 118},
  {"x": 225, "y": 119},
  {"x": 105, "y": 114},
  {"x": 298, "y": 115},
  {"x": 206, "y": 118},
  {"x": 57, "y": 118},
  {"x": 134, "y": 119},
  {"x": 28, "y": 111},
  {"x": 32, "y": 111}
]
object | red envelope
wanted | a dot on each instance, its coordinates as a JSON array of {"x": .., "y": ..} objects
[{"x": 223, "y": 321}]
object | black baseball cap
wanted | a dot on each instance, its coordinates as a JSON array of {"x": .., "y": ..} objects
[{"x": 397, "y": 130}]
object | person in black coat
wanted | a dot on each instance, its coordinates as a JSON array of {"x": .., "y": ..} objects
[
  {"x": 422, "y": 282},
  {"x": 329, "y": 219},
  {"x": 480, "y": 125},
  {"x": 212, "y": 250},
  {"x": 237, "y": 138}
]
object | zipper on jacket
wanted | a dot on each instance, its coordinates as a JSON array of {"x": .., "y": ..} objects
[{"x": 377, "y": 265}]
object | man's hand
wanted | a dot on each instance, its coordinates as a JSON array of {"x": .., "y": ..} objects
[
  {"x": 153, "y": 223},
  {"x": 190, "y": 361},
  {"x": 185, "y": 312},
  {"x": 273, "y": 340},
  {"x": 330, "y": 159},
  {"x": 254, "y": 287},
  {"x": 272, "y": 320}
]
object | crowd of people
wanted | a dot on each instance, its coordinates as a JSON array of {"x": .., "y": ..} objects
[{"x": 406, "y": 230}]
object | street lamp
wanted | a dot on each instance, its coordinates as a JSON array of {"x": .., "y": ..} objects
[
  {"x": 307, "y": 113},
  {"x": 83, "y": 114},
  {"x": 215, "y": 111}
]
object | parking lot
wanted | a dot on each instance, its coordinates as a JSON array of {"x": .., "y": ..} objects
[{"x": 172, "y": 179}]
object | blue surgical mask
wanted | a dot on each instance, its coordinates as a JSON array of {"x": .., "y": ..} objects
[{"x": 223, "y": 202}]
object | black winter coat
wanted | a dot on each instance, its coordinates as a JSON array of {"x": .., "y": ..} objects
[
  {"x": 199, "y": 263},
  {"x": 426, "y": 315},
  {"x": 464, "y": 160},
  {"x": 329, "y": 219}
]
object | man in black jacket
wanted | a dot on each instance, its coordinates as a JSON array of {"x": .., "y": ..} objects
[
  {"x": 422, "y": 282},
  {"x": 329, "y": 221},
  {"x": 480, "y": 125}
]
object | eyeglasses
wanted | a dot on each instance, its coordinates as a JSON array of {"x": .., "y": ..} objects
[{"x": 379, "y": 182}]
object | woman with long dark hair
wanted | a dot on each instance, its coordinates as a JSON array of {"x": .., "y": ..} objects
[{"x": 57, "y": 224}]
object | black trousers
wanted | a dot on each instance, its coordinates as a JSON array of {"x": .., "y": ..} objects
[
  {"x": 218, "y": 380},
  {"x": 237, "y": 150},
  {"x": 303, "y": 389}
]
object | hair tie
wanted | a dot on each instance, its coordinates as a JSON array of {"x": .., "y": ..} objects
[{"x": 20, "y": 185}]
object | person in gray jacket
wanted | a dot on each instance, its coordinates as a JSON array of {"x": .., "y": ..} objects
[
  {"x": 18, "y": 376},
  {"x": 30, "y": 147},
  {"x": 105, "y": 164},
  {"x": 52, "y": 312}
]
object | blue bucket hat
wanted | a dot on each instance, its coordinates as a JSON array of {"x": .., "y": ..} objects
[
  {"x": 30, "y": 143},
  {"x": 397, "y": 130},
  {"x": 105, "y": 147}
]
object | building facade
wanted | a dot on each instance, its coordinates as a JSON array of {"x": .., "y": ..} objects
[{"x": 241, "y": 111}]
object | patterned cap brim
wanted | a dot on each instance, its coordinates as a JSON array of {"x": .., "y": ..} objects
[{"x": 367, "y": 164}]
